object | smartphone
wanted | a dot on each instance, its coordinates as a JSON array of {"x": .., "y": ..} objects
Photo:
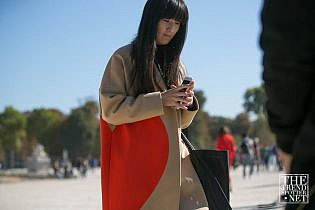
[{"x": 187, "y": 80}]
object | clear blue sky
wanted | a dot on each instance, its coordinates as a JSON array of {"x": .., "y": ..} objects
[{"x": 53, "y": 53}]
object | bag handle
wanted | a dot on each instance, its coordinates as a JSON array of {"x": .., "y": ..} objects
[{"x": 187, "y": 143}]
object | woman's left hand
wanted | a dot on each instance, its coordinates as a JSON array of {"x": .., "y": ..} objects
[{"x": 189, "y": 99}]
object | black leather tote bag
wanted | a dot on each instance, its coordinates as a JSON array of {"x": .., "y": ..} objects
[{"x": 212, "y": 169}]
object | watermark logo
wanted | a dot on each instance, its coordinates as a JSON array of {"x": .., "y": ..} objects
[{"x": 293, "y": 188}]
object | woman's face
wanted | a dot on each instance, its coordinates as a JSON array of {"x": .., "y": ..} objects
[{"x": 166, "y": 30}]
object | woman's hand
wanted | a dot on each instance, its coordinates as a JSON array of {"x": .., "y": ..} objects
[
  {"x": 175, "y": 97},
  {"x": 179, "y": 97},
  {"x": 190, "y": 94}
]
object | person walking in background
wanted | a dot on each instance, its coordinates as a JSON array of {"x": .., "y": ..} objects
[
  {"x": 257, "y": 154},
  {"x": 265, "y": 154},
  {"x": 288, "y": 44},
  {"x": 225, "y": 141},
  {"x": 274, "y": 161},
  {"x": 144, "y": 106},
  {"x": 93, "y": 163},
  {"x": 247, "y": 154}
]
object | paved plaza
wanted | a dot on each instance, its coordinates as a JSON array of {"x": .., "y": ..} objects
[
  {"x": 260, "y": 189},
  {"x": 85, "y": 193}
]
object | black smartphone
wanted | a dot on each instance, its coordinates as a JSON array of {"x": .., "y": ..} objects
[{"x": 187, "y": 80}]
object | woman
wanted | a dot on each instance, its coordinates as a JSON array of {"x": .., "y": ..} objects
[{"x": 143, "y": 107}]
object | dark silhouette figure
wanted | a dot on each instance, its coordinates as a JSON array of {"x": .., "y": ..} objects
[{"x": 288, "y": 44}]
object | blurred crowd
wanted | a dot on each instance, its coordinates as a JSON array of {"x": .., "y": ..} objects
[
  {"x": 253, "y": 156},
  {"x": 69, "y": 169}
]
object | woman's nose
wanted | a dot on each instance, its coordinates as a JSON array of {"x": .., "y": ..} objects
[{"x": 170, "y": 27}]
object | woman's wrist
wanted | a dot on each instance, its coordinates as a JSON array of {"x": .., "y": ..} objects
[{"x": 193, "y": 106}]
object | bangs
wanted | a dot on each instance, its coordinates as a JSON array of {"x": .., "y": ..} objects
[{"x": 176, "y": 9}]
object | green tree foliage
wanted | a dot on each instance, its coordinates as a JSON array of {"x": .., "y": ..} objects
[
  {"x": 43, "y": 126},
  {"x": 255, "y": 100},
  {"x": 198, "y": 130},
  {"x": 96, "y": 149},
  {"x": 240, "y": 124},
  {"x": 12, "y": 129},
  {"x": 79, "y": 131},
  {"x": 1, "y": 151},
  {"x": 40, "y": 121},
  {"x": 53, "y": 140}
]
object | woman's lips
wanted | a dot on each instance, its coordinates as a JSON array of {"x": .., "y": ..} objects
[{"x": 168, "y": 36}]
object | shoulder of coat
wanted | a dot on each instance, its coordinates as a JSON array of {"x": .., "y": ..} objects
[{"x": 124, "y": 51}]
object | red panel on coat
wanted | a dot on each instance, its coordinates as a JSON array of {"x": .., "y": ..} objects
[{"x": 133, "y": 158}]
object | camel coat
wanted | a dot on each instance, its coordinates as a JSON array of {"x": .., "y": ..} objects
[{"x": 144, "y": 164}]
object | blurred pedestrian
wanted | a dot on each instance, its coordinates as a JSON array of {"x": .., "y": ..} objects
[
  {"x": 68, "y": 170},
  {"x": 247, "y": 154},
  {"x": 225, "y": 141},
  {"x": 83, "y": 168},
  {"x": 257, "y": 154},
  {"x": 274, "y": 161},
  {"x": 55, "y": 167},
  {"x": 288, "y": 44},
  {"x": 265, "y": 152},
  {"x": 93, "y": 163}
]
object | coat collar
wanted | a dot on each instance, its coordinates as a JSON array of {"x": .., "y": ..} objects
[{"x": 159, "y": 80}]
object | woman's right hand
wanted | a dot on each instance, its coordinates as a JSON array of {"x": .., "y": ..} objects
[{"x": 175, "y": 97}]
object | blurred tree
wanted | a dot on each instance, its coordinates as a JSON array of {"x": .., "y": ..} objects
[
  {"x": 42, "y": 127},
  {"x": 1, "y": 152},
  {"x": 79, "y": 131},
  {"x": 96, "y": 149},
  {"x": 260, "y": 129},
  {"x": 201, "y": 98},
  {"x": 240, "y": 124},
  {"x": 53, "y": 140},
  {"x": 255, "y": 100},
  {"x": 12, "y": 130},
  {"x": 198, "y": 129},
  {"x": 207, "y": 141}
]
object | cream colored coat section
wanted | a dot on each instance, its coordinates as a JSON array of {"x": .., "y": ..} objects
[{"x": 119, "y": 105}]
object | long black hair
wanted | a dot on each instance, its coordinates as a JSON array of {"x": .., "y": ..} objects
[{"x": 144, "y": 45}]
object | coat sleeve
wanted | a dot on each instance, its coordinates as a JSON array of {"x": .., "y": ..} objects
[
  {"x": 115, "y": 105},
  {"x": 188, "y": 115}
]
